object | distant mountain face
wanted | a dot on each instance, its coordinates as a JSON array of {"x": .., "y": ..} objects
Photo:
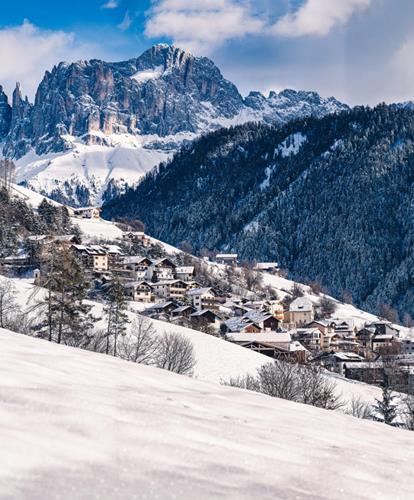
[
  {"x": 96, "y": 127},
  {"x": 330, "y": 199}
]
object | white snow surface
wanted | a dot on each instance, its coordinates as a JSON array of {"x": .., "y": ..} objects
[
  {"x": 292, "y": 144},
  {"x": 148, "y": 74},
  {"x": 97, "y": 229},
  {"x": 123, "y": 158},
  {"x": 78, "y": 425}
]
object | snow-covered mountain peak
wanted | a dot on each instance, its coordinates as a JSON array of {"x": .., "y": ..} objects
[{"x": 156, "y": 101}]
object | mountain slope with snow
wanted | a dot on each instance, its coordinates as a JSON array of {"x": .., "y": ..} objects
[
  {"x": 96, "y": 126},
  {"x": 80, "y": 425}
]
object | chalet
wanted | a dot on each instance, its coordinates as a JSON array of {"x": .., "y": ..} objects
[
  {"x": 88, "y": 212},
  {"x": 93, "y": 257},
  {"x": 184, "y": 273},
  {"x": 329, "y": 341},
  {"x": 226, "y": 258},
  {"x": 137, "y": 236},
  {"x": 300, "y": 312},
  {"x": 369, "y": 372},
  {"x": 14, "y": 263},
  {"x": 266, "y": 322},
  {"x": 337, "y": 361},
  {"x": 346, "y": 328},
  {"x": 115, "y": 256},
  {"x": 183, "y": 311},
  {"x": 309, "y": 337},
  {"x": 385, "y": 342},
  {"x": 164, "y": 269},
  {"x": 385, "y": 328},
  {"x": 365, "y": 336},
  {"x": 161, "y": 308},
  {"x": 173, "y": 289},
  {"x": 240, "y": 325},
  {"x": 204, "y": 317},
  {"x": 231, "y": 308},
  {"x": 141, "y": 291},
  {"x": 323, "y": 326},
  {"x": 203, "y": 298},
  {"x": 296, "y": 352},
  {"x": 267, "y": 267},
  {"x": 141, "y": 267}
]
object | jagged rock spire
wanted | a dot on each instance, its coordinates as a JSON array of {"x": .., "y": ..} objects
[{"x": 5, "y": 114}]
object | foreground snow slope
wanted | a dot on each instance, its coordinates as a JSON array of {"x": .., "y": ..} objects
[
  {"x": 216, "y": 359},
  {"x": 79, "y": 425}
]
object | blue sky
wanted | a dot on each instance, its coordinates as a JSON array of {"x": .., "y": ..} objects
[{"x": 358, "y": 50}]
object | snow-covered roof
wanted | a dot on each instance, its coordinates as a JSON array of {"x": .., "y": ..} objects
[
  {"x": 199, "y": 291},
  {"x": 296, "y": 346},
  {"x": 182, "y": 309},
  {"x": 135, "y": 259},
  {"x": 113, "y": 249},
  {"x": 85, "y": 209},
  {"x": 161, "y": 305},
  {"x": 266, "y": 265},
  {"x": 237, "y": 324},
  {"x": 267, "y": 337},
  {"x": 203, "y": 312},
  {"x": 301, "y": 304},
  {"x": 348, "y": 356},
  {"x": 226, "y": 256},
  {"x": 134, "y": 284},
  {"x": 257, "y": 316}
]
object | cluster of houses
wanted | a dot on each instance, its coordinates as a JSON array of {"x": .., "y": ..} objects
[{"x": 171, "y": 292}]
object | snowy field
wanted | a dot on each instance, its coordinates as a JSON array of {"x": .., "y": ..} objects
[{"x": 76, "y": 425}]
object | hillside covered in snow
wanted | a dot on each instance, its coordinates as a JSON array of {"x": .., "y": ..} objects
[{"x": 80, "y": 425}]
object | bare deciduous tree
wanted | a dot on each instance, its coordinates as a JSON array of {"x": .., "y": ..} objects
[
  {"x": 359, "y": 408},
  {"x": 294, "y": 382},
  {"x": 98, "y": 341},
  {"x": 7, "y": 302},
  {"x": 408, "y": 412},
  {"x": 175, "y": 353},
  {"x": 141, "y": 345}
]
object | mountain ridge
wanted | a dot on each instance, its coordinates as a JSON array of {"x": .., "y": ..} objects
[
  {"x": 330, "y": 199},
  {"x": 91, "y": 119}
]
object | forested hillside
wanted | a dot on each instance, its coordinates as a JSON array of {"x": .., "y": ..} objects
[{"x": 331, "y": 199}]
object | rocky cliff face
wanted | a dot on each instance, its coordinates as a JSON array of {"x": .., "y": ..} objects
[
  {"x": 5, "y": 114},
  {"x": 157, "y": 101},
  {"x": 164, "y": 92}
]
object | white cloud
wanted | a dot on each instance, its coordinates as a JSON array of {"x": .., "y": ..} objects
[
  {"x": 111, "y": 4},
  {"x": 318, "y": 17},
  {"x": 201, "y": 26},
  {"x": 27, "y": 51},
  {"x": 126, "y": 22}
]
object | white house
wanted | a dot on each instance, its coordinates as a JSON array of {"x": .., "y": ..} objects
[
  {"x": 203, "y": 298},
  {"x": 88, "y": 212},
  {"x": 185, "y": 273},
  {"x": 300, "y": 311},
  {"x": 140, "y": 291}
]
